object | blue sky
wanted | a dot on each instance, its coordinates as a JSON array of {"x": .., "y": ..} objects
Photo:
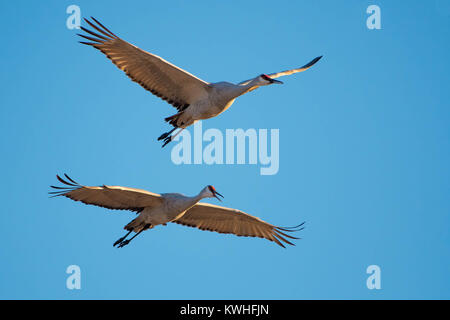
[{"x": 364, "y": 156}]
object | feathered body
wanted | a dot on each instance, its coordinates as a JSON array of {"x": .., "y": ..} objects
[
  {"x": 159, "y": 209},
  {"x": 194, "y": 99}
]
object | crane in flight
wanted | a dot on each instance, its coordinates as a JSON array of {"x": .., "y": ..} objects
[
  {"x": 159, "y": 209},
  {"x": 193, "y": 98}
]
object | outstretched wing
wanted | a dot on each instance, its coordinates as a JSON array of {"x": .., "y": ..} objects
[
  {"x": 111, "y": 197},
  {"x": 163, "y": 79},
  {"x": 288, "y": 72},
  {"x": 205, "y": 216}
]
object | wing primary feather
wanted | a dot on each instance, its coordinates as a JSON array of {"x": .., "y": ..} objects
[
  {"x": 295, "y": 228},
  {"x": 65, "y": 182},
  {"x": 106, "y": 29},
  {"x": 267, "y": 234},
  {"x": 275, "y": 232},
  {"x": 286, "y": 235},
  {"x": 312, "y": 62},
  {"x": 94, "y": 34},
  {"x": 276, "y": 235},
  {"x": 71, "y": 180},
  {"x": 290, "y": 230},
  {"x": 87, "y": 43},
  {"x": 54, "y": 187},
  {"x": 56, "y": 195},
  {"x": 277, "y": 241},
  {"x": 89, "y": 38},
  {"x": 57, "y": 192},
  {"x": 98, "y": 29}
]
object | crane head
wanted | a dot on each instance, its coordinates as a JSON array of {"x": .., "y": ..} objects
[
  {"x": 211, "y": 192},
  {"x": 266, "y": 80}
]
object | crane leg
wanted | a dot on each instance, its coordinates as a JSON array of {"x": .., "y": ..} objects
[
  {"x": 171, "y": 138},
  {"x": 164, "y": 135},
  {"x": 177, "y": 133},
  {"x": 125, "y": 242},
  {"x": 121, "y": 239}
]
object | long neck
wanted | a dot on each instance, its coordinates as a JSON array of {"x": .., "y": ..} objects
[
  {"x": 202, "y": 195},
  {"x": 189, "y": 202},
  {"x": 246, "y": 87}
]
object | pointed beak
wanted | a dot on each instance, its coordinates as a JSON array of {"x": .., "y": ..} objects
[
  {"x": 216, "y": 194},
  {"x": 277, "y": 81}
]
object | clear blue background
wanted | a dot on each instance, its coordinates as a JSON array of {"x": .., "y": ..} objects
[{"x": 364, "y": 154}]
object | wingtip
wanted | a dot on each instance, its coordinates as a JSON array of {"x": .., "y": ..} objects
[
  {"x": 317, "y": 59},
  {"x": 70, "y": 179},
  {"x": 299, "y": 227}
]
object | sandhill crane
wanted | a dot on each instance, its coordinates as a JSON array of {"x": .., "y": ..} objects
[
  {"x": 158, "y": 209},
  {"x": 193, "y": 98}
]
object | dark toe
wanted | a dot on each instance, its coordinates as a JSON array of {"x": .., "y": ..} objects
[{"x": 164, "y": 135}]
